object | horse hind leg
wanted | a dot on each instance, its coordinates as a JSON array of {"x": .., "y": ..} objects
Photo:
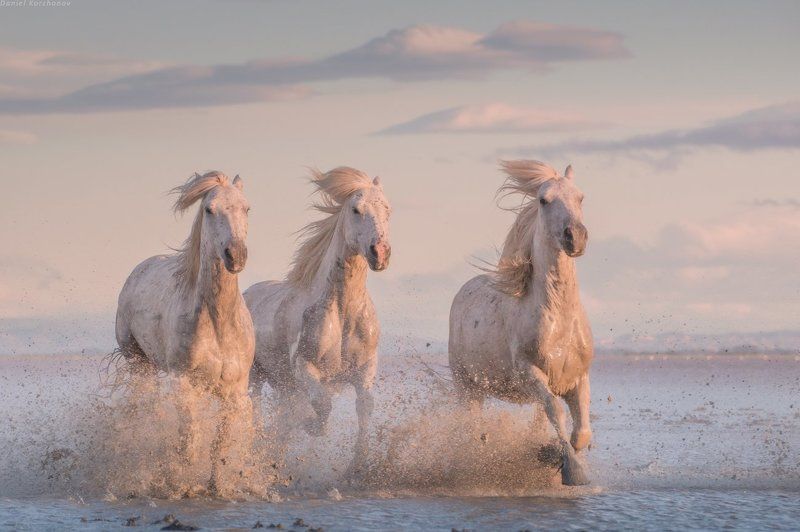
[
  {"x": 540, "y": 423},
  {"x": 467, "y": 394},
  {"x": 133, "y": 372}
]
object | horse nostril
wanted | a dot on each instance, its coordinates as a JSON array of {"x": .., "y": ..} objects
[
  {"x": 568, "y": 234},
  {"x": 228, "y": 254},
  {"x": 374, "y": 250}
]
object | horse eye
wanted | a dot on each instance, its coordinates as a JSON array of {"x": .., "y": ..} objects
[
  {"x": 209, "y": 211},
  {"x": 356, "y": 211},
  {"x": 543, "y": 201}
]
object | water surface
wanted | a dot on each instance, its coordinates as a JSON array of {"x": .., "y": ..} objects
[{"x": 700, "y": 442}]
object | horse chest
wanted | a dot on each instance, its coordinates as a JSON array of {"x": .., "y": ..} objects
[
  {"x": 553, "y": 343},
  {"x": 357, "y": 342},
  {"x": 218, "y": 353},
  {"x": 339, "y": 336}
]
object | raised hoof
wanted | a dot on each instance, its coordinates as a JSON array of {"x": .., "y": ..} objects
[
  {"x": 580, "y": 439},
  {"x": 572, "y": 473}
]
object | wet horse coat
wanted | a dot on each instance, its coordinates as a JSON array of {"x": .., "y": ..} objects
[
  {"x": 184, "y": 314},
  {"x": 520, "y": 333},
  {"x": 318, "y": 329}
]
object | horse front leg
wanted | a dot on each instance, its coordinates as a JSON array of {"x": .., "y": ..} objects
[
  {"x": 187, "y": 422},
  {"x": 239, "y": 409},
  {"x": 578, "y": 400},
  {"x": 365, "y": 405},
  {"x": 319, "y": 395},
  {"x": 572, "y": 473}
]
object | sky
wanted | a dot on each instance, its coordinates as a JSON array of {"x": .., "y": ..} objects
[{"x": 681, "y": 120}]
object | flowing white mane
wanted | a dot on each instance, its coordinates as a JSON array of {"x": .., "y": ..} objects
[
  {"x": 195, "y": 189},
  {"x": 514, "y": 269},
  {"x": 334, "y": 188}
]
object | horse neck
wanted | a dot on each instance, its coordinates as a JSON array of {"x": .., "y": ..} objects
[
  {"x": 555, "y": 283},
  {"x": 342, "y": 275},
  {"x": 217, "y": 289}
]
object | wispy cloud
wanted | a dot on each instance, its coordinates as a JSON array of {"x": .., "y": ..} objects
[
  {"x": 793, "y": 203},
  {"x": 17, "y": 137},
  {"x": 776, "y": 126},
  {"x": 411, "y": 54},
  {"x": 27, "y": 74},
  {"x": 490, "y": 118},
  {"x": 734, "y": 272}
]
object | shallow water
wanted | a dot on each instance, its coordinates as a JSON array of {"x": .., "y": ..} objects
[
  {"x": 663, "y": 509},
  {"x": 680, "y": 443}
]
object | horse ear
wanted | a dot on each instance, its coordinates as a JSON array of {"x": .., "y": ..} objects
[
  {"x": 377, "y": 180},
  {"x": 568, "y": 173},
  {"x": 237, "y": 182}
]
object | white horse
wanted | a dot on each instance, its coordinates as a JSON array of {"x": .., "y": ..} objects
[
  {"x": 183, "y": 313},
  {"x": 318, "y": 329},
  {"x": 521, "y": 333}
]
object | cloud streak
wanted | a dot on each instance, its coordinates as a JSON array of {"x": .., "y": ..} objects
[
  {"x": 17, "y": 137},
  {"x": 30, "y": 74},
  {"x": 773, "y": 127},
  {"x": 417, "y": 53},
  {"x": 489, "y": 118}
]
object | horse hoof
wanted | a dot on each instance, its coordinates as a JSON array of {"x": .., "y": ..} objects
[
  {"x": 572, "y": 473},
  {"x": 580, "y": 439}
]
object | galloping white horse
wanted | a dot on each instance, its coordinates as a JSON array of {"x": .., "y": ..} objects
[
  {"x": 183, "y": 313},
  {"x": 318, "y": 329},
  {"x": 521, "y": 333}
]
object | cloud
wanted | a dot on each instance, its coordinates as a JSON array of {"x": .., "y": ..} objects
[
  {"x": 489, "y": 118},
  {"x": 121, "y": 96},
  {"x": 17, "y": 63},
  {"x": 411, "y": 54},
  {"x": 17, "y": 137},
  {"x": 776, "y": 126},
  {"x": 29, "y": 74},
  {"x": 554, "y": 42},
  {"x": 737, "y": 273},
  {"x": 753, "y": 235},
  {"x": 772, "y": 202}
]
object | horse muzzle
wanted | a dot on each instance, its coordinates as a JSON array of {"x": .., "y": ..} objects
[
  {"x": 378, "y": 256},
  {"x": 235, "y": 257},
  {"x": 574, "y": 239}
]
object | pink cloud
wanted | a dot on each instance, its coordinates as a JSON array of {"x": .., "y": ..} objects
[
  {"x": 416, "y": 53},
  {"x": 491, "y": 118}
]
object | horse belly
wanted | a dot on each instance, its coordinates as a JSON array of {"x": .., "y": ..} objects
[
  {"x": 480, "y": 356},
  {"x": 276, "y": 334},
  {"x": 145, "y": 306}
]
